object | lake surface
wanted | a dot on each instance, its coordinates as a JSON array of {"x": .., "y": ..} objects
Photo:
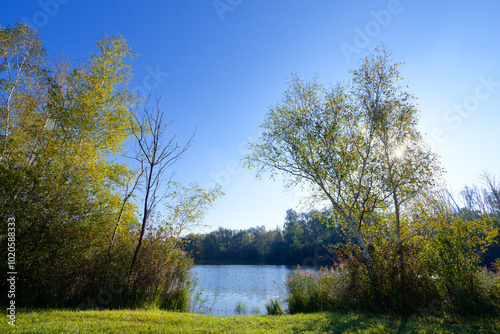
[{"x": 221, "y": 287}]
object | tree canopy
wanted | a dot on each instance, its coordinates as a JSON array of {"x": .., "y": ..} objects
[
  {"x": 66, "y": 181},
  {"x": 356, "y": 146}
]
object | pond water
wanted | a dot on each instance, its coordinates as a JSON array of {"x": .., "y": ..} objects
[{"x": 221, "y": 287}]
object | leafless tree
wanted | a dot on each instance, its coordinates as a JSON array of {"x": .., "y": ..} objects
[
  {"x": 156, "y": 156},
  {"x": 492, "y": 192}
]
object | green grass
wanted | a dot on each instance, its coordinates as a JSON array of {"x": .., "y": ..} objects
[{"x": 154, "y": 321}]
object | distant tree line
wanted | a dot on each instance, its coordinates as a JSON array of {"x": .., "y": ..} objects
[
  {"x": 303, "y": 239},
  {"x": 309, "y": 238}
]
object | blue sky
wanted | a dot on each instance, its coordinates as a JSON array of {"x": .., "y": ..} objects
[{"x": 219, "y": 65}]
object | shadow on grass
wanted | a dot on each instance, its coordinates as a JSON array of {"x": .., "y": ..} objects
[
  {"x": 353, "y": 322},
  {"x": 374, "y": 323}
]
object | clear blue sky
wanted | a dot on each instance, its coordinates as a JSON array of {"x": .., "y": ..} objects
[{"x": 219, "y": 65}]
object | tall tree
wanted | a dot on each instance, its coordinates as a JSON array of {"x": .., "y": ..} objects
[
  {"x": 406, "y": 168},
  {"x": 61, "y": 127},
  {"x": 342, "y": 142},
  {"x": 321, "y": 137}
]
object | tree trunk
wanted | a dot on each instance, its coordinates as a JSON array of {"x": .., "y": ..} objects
[
  {"x": 144, "y": 216},
  {"x": 368, "y": 261},
  {"x": 400, "y": 252}
]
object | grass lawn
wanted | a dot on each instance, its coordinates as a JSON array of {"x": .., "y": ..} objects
[{"x": 154, "y": 321}]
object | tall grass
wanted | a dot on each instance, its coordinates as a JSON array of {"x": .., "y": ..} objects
[
  {"x": 274, "y": 307},
  {"x": 351, "y": 289},
  {"x": 241, "y": 308},
  {"x": 200, "y": 304},
  {"x": 310, "y": 291}
]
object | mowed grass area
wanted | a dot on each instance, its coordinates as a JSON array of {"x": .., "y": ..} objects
[{"x": 154, "y": 321}]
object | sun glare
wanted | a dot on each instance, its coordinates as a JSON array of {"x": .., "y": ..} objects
[{"x": 399, "y": 152}]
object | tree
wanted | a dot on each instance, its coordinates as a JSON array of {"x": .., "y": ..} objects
[
  {"x": 64, "y": 179},
  {"x": 62, "y": 126},
  {"x": 341, "y": 142},
  {"x": 492, "y": 193},
  {"x": 186, "y": 208},
  {"x": 155, "y": 158},
  {"x": 406, "y": 168}
]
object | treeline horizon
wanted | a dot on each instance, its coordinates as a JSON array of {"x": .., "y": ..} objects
[
  {"x": 309, "y": 238},
  {"x": 303, "y": 240}
]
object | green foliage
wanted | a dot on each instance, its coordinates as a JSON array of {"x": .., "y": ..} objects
[
  {"x": 187, "y": 207},
  {"x": 310, "y": 291},
  {"x": 162, "y": 276},
  {"x": 65, "y": 181},
  {"x": 274, "y": 307},
  {"x": 60, "y": 126},
  {"x": 453, "y": 255},
  {"x": 441, "y": 268},
  {"x": 302, "y": 240}
]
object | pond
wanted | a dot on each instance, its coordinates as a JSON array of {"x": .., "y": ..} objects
[{"x": 222, "y": 287}]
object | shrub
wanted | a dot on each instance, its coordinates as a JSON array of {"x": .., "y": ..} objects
[
  {"x": 439, "y": 270},
  {"x": 162, "y": 277},
  {"x": 452, "y": 256}
]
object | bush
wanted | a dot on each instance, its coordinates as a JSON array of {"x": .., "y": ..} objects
[
  {"x": 162, "y": 276},
  {"x": 452, "y": 256},
  {"x": 401, "y": 284},
  {"x": 443, "y": 275}
]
